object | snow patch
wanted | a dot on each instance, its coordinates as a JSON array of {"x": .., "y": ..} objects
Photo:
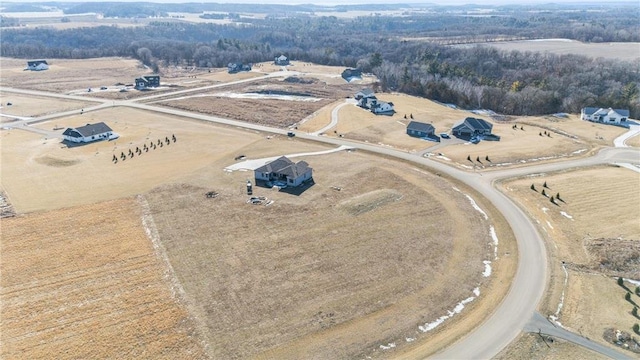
[
  {"x": 634, "y": 282},
  {"x": 548, "y": 223},
  {"x": 487, "y": 268},
  {"x": 556, "y": 316},
  {"x": 388, "y": 346},
  {"x": 544, "y": 210},
  {"x": 456, "y": 310},
  {"x": 476, "y": 291},
  {"x": 566, "y": 215},
  {"x": 492, "y": 232},
  {"x": 410, "y": 339},
  {"x": 475, "y": 206}
]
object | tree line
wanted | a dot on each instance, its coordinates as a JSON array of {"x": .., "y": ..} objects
[{"x": 518, "y": 83}]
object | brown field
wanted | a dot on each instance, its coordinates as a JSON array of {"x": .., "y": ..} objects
[
  {"x": 84, "y": 283},
  {"x": 596, "y": 246},
  {"x": 33, "y": 106},
  {"x": 620, "y": 51},
  {"x": 284, "y": 280},
  {"x": 31, "y": 162},
  {"x": 634, "y": 141},
  {"x": 271, "y": 112}
]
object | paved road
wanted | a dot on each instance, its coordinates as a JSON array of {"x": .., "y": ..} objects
[
  {"x": 513, "y": 313},
  {"x": 539, "y": 324}
]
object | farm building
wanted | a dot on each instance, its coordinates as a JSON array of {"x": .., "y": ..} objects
[
  {"x": 89, "y": 133},
  {"x": 233, "y": 68},
  {"x": 37, "y": 65},
  {"x": 281, "y": 60},
  {"x": 606, "y": 116},
  {"x": 422, "y": 130},
  {"x": 472, "y": 127},
  {"x": 284, "y": 170},
  {"x": 147, "y": 81}
]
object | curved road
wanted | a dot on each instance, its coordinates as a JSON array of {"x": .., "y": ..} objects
[{"x": 519, "y": 306}]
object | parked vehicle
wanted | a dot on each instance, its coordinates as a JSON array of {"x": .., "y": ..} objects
[
  {"x": 444, "y": 136},
  {"x": 291, "y": 134}
]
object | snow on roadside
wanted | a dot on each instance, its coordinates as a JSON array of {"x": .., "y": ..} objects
[
  {"x": 492, "y": 232},
  {"x": 556, "y": 316},
  {"x": 450, "y": 313},
  {"x": 388, "y": 346}
]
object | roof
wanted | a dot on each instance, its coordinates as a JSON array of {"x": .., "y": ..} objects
[
  {"x": 475, "y": 124},
  {"x": 422, "y": 127},
  {"x": 284, "y": 166},
  {"x": 88, "y": 130},
  {"x": 366, "y": 92},
  {"x": 35, "y": 62},
  {"x": 603, "y": 111},
  {"x": 281, "y": 57}
]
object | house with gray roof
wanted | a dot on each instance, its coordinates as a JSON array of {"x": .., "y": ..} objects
[
  {"x": 37, "y": 65},
  {"x": 422, "y": 130},
  {"x": 89, "y": 133},
  {"x": 285, "y": 171},
  {"x": 474, "y": 128},
  {"x": 605, "y": 116}
]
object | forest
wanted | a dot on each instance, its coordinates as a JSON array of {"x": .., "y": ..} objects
[{"x": 471, "y": 77}]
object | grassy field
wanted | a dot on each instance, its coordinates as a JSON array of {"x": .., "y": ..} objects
[
  {"x": 620, "y": 51},
  {"x": 596, "y": 246},
  {"x": 533, "y": 347},
  {"x": 284, "y": 280},
  {"x": 33, "y": 106},
  {"x": 84, "y": 283},
  {"x": 29, "y": 161}
]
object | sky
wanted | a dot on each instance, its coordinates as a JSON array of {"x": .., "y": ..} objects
[{"x": 345, "y": 2}]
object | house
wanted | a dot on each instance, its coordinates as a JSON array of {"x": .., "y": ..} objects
[
  {"x": 606, "y": 116},
  {"x": 237, "y": 67},
  {"x": 364, "y": 93},
  {"x": 89, "y": 133},
  {"x": 351, "y": 74},
  {"x": 474, "y": 128},
  {"x": 147, "y": 81},
  {"x": 37, "y": 65},
  {"x": 281, "y": 60},
  {"x": 285, "y": 171},
  {"x": 422, "y": 130},
  {"x": 382, "y": 107}
]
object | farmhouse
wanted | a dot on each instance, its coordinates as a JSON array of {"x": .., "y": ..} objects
[
  {"x": 281, "y": 60},
  {"x": 284, "y": 170},
  {"x": 233, "y": 68},
  {"x": 382, "y": 107},
  {"x": 606, "y": 116},
  {"x": 147, "y": 81},
  {"x": 422, "y": 130},
  {"x": 89, "y": 133},
  {"x": 472, "y": 127},
  {"x": 37, "y": 65}
]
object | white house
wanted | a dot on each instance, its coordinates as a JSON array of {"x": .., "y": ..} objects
[
  {"x": 281, "y": 60},
  {"x": 382, "y": 107},
  {"x": 89, "y": 133},
  {"x": 284, "y": 170},
  {"x": 364, "y": 93},
  {"x": 606, "y": 116},
  {"x": 37, "y": 65}
]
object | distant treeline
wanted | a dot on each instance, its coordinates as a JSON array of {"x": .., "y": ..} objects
[{"x": 518, "y": 83}]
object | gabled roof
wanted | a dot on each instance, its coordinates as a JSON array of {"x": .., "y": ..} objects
[
  {"x": 422, "y": 127},
  {"x": 275, "y": 165},
  {"x": 88, "y": 130},
  {"x": 284, "y": 166},
  {"x": 474, "y": 124},
  {"x": 282, "y": 58},
  {"x": 602, "y": 111},
  {"x": 366, "y": 92}
]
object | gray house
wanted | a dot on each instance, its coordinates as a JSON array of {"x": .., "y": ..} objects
[
  {"x": 284, "y": 171},
  {"x": 422, "y": 130},
  {"x": 472, "y": 127},
  {"x": 37, "y": 65},
  {"x": 147, "y": 81}
]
